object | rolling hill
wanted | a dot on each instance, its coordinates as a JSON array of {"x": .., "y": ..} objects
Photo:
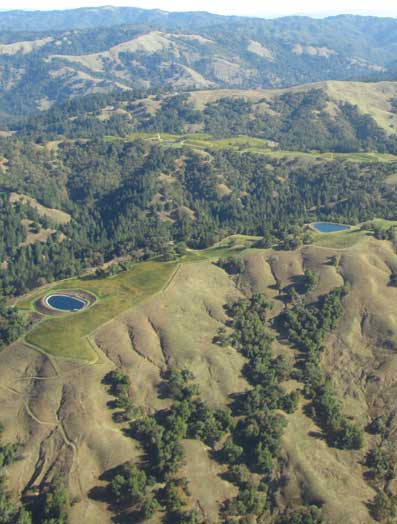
[
  {"x": 182, "y": 51},
  {"x": 326, "y": 116},
  {"x": 74, "y": 432}
]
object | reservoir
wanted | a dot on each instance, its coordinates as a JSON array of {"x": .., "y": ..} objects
[
  {"x": 329, "y": 227},
  {"x": 65, "y": 302}
]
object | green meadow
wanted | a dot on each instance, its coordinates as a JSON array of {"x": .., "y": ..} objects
[
  {"x": 67, "y": 335},
  {"x": 248, "y": 144}
]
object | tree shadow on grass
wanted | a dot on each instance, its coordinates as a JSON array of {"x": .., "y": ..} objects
[
  {"x": 297, "y": 283},
  {"x": 123, "y": 512},
  {"x": 318, "y": 435}
]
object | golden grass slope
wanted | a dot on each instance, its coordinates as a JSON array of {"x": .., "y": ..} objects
[
  {"x": 373, "y": 98},
  {"x": 57, "y": 409},
  {"x": 151, "y": 42},
  {"x": 370, "y": 98},
  {"x": 56, "y": 215},
  {"x": 24, "y": 47},
  {"x": 177, "y": 327}
]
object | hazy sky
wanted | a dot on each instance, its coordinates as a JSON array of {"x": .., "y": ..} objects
[{"x": 243, "y": 7}]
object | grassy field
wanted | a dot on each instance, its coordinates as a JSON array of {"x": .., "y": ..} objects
[
  {"x": 351, "y": 157},
  {"x": 206, "y": 141},
  {"x": 347, "y": 239},
  {"x": 67, "y": 336},
  {"x": 232, "y": 245},
  {"x": 381, "y": 222},
  {"x": 340, "y": 240},
  {"x": 248, "y": 144}
]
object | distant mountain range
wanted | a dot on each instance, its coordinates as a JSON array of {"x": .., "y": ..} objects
[
  {"x": 101, "y": 49},
  {"x": 89, "y": 17}
]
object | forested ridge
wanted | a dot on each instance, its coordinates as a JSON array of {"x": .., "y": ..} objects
[
  {"x": 206, "y": 51},
  {"x": 300, "y": 121},
  {"x": 134, "y": 198}
]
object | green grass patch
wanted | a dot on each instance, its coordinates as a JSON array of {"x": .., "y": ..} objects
[
  {"x": 383, "y": 223},
  {"x": 339, "y": 240},
  {"x": 245, "y": 144},
  {"x": 206, "y": 141},
  {"x": 67, "y": 336},
  {"x": 232, "y": 245},
  {"x": 155, "y": 136},
  {"x": 237, "y": 143},
  {"x": 351, "y": 157}
]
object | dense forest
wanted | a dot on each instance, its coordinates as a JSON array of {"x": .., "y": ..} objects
[
  {"x": 133, "y": 198},
  {"x": 297, "y": 121}
]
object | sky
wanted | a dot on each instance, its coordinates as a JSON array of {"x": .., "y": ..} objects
[{"x": 238, "y": 7}]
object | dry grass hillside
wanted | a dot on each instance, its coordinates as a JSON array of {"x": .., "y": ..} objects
[
  {"x": 56, "y": 215},
  {"x": 183, "y": 50},
  {"x": 57, "y": 409},
  {"x": 150, "y": 43},
  {"x": 117, "y": 60},
  {"x": 372, "y": 98}
]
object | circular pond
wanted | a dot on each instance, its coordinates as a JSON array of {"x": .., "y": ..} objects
[{"x": 62, "y": 302}]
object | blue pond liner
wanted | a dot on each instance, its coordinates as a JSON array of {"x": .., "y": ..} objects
[
  {"x": 65, "y": 302},
  {"x": 329, "y": 227}
]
